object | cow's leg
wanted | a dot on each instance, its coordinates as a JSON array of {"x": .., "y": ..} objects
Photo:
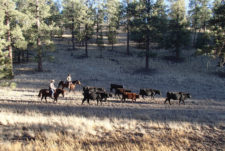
[
  {"x": 153, "y": 97},
  {"x": 42, "y": 98},
  {"x": 123, "y": 100},
  {"x": 179, "y": 101},
  {"x": 97, "y": 101},
  {"x": 183, "y": 102},
  {"x": 88, "y": 101},
  {"x": 165, "y": 100},
  {"x": 46, "y": 99},
  {"x": 169, "y": 101},
  {"x": 143, "y": 96}
]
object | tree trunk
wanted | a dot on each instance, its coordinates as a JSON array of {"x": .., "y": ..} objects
[
  {"x": 147, "y": 36},
  {"x": 23, "y": 56},
  {"x": 86, "y": 39},
  {"x": 147, "y": 54},
  {"x": 128, "y": 30},
  {"x": 97, "y": 28},
  {"x": 86, "y": 48},
  {"x": 40, "y": 68},
  {"x": 10, "y": 43},
  {"x": 194, "y": 38},
  {"x": 27, "y": 58},
  {"x": 177, "y": 44},
  {"x": 73, "y": 34},
  {"x": 18, "y": 56},
  {"x": 128, "y": 39}
]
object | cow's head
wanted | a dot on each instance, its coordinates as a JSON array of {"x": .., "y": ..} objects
[
  {"x": 109, "y": 95},
  {"x": 158, "y": 92},
  {"x": 188, "y": 95}
]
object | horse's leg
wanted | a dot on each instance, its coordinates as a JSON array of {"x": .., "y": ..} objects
[{"x": 83, "y": 101}]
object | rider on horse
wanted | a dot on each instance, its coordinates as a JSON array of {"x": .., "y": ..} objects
[
  {"x": 69, "y": 80},
  {"x": 52, "y": 88}
]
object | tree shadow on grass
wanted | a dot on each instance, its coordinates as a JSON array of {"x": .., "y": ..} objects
[
  {"x": 220, "y": 74},
  {"x": 163, "y": 114},
  {"x": 145, "y": 71},
  {"x": 173, "y": 59}
]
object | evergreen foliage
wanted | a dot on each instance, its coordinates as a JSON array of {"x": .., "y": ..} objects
[{"x": 178, "y": 34}]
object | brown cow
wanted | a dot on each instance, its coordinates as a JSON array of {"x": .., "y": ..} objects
[
  {"x": 120, "y": 91},
  {"x": 129, "y": 95}
]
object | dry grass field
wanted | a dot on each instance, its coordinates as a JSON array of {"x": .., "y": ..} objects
[{"x": 26, "y": 123}]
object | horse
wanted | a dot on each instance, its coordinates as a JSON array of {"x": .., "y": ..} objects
[
  {"x": 66, "y": 84},
  {"x": 44, "y": 93}
]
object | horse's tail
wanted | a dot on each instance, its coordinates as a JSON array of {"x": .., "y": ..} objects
[{"x": 39, "y": 95}]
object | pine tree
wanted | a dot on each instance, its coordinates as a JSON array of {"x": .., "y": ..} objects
[
  {"x": 88, "y": 23},
  {"x": 199, "y": 16},
  {"x": 159, "y": 23},
  {"x": 99, "y": 16},
  {"x": 137, "y": 24},
  {"x": 194, "y": 14},
  {"x": 100, "y": 42},
  {"x": 128, "y": 12},
  {"x": 39, "y": 34},
  {"x": 113, "y": 20},
  {"x": 72, "y": 14},
  {"x": 14, "y": 20},
  {"x": 3, "y": 43},
  {"x": 217, "y": 26},
  {"x": 55, "y": 18},
  {"x": 99, "y": 19},
  {"x": 178, "y": 35}
]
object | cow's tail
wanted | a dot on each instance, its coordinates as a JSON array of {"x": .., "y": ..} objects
[{"x": 39, "y": 95}]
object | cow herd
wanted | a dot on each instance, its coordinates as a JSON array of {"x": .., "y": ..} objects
[{"x": 101, "y": 95}]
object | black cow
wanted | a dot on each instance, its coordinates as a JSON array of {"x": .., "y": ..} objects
[
  {"x": 92, "y": 93},
  {"x": 104, "y": 95},
  {"x": 94, "y": 89},
  {"x": 149, "y": 92},
  {"x": 181, "y": 96},
  {"x": 115, "y": 86},
  {"x": 120, "y": 91}
]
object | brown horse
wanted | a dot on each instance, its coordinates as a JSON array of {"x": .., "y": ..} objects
[
  {"x": 46, "y": 93},
  {"x": 66, "y": 84}
]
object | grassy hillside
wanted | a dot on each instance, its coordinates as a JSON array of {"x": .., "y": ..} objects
[{"x": 26, "y": 123}]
